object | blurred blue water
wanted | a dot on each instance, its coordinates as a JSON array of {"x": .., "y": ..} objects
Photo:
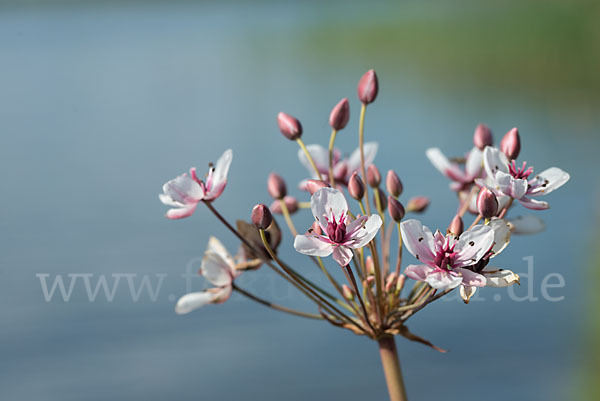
[{"x": 100, "y": 106}]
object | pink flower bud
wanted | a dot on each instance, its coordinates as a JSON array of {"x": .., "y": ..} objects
[
  {"x": 276, "y": 186},
  {"x": 456, "y": 226},
  {"x": 393, "y": 184},
  {"x": 483, "y": 137},
  {"x": 356, "y": 187},
  {"x": 400, "y": 282},
  {"x": 290, "y": 202},
  {"x": 487, "y": 203},
  {"x": 368, "y": 87},
  {"x": 390, "y": 282},
  {"x": 347, "y": 292},
  {"x": 369, "y": 281},
  {"x": 418, "y": 204},
  {"x": 313, "y": 186},
  {"x": 261, "y": 216},
  {"x": 340, "y": 115},
  {"x": 511, "y": 144},
  {"x": 289, "y": 126},
  {"x": 373, "y": 176},
  {"x": 395, "y": 209},
  {"x": 315, "y": 229},
  {"x": 381, "y": 198},
  {"x": 370, "y": 265}
]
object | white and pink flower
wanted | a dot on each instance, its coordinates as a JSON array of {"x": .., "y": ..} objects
[
  {"x": 507, "y": 179},
  {"x": 219, "y": 269},
  {"x": 461, "y": 178},
  {"x": 184, "y": 192},
  {"x": 340, "y": 234},
  {"x": 450, "y": 261},
  {"x": 342, "y": 168}
]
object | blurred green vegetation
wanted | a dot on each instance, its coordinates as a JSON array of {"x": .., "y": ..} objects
[{"x": 546, "y": 48}]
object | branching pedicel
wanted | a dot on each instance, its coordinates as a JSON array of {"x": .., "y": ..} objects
[{"x": 374, "y": 301}]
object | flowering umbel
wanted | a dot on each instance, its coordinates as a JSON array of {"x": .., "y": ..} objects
[{"x": 349, "y": 222}]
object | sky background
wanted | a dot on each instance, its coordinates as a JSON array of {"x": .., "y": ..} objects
[{"x": 102, "y": 102}]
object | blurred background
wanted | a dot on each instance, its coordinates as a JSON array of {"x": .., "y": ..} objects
[{"x": 102, "y": 102}]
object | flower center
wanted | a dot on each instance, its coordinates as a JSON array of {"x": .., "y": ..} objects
[
  {"x": 520, "y": 173},
  {"x": 445, "y": 255},
  {"x": 336, "y": 230}
]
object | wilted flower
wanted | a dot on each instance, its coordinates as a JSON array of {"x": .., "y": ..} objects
[
  {"x": 219, "y": 269},
  {"x": 184, "y": 192},
  {"x": 506, "y": 179},
  {"x": 330, "y": 209}
]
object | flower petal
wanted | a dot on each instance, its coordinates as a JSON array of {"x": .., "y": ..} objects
[
  {"x": 368, "y": 232},
  {"x": 312, "y": 245},
  {"x": 471, "y": 278},
  {"x": 342, "y": 255},
  {"x": 326, "y": 201},
  {"x": 494, "y": 160},
  {"x": 548, "y": 180},
  {"x": 194, "y": 300},
  {"x": 508, "y": 185},
  {"x": 474, "y": 163},
  {"x": 417, "y": 272},
  {"x": 419, "y": 241},
  {"x": 320, "y": 156},
  {"x": 183, "y": 190},
  {"x": 443, "y": 280},
  {"x": 473, "y": 244},
  {"x": 466, "y": 292},
  {"x": 370, "y": 151},
  {"x": 533, "y": 204},
  {"x": 441, "y": 162},
  {"x": 216, "y": 269},
  {"x": 219, "y": 176},
  {"x": 528, "y": 224},
  {"x": 501, "y": 235},
  {"x": 180, "y": 213},
  {"x": 500, "y": 278}
]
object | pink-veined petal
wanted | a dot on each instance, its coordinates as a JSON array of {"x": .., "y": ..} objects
[
  {"x": 471, "y": 278},
  {"x": 417, "y": 272},
  {"x": 368, "y": 232},
  {"x": 548, "y": 180},
  {"x": 494, "y": 160},
  {"x": 219, "y": 175},
  {"x": 443, "y": 280},
  {"x": 419, "y": 240},
  {"x": 508, "y": 185},
  {"x": 528, "y": 224},
  {"x": 533, "y": 204},
  {"x": 181, "y": 212},
  {"x": 183, "y": 190},
  {"x": 441, "y": 162},
  {"x": 312, "y": 245},
  {"x": 473, "y": 244},
  {"x": 474, "y": 163},
  {"x": 342, "y": 255}
]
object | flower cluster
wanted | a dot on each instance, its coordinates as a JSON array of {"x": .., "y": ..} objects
[{"x": 379, "y": 295}]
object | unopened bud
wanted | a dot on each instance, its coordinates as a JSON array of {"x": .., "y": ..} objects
[
  {"x": 261, "y": 216},
  {"x": 511, "y": 144},
  {"x": 356, "y": 187},
  {"x": 369, "y": 281},
  {"x": 456, "y": 226},
  {"x": 290, "y": 202},
  {"x": 483, "y": 137},
  {"x": 289, "y": 126},
  {"x": 418, "y": 204},
  {"x": 347, "y": 292},
  {"x": 276, "y": 186},
  {"x": 382, "y": 201},
  {"x": 313, "y": 186},
  {"x": 390, "y": 282},
  {"x": 370, "y": 265},
  {"x": 368, "y": 86},
  {"x": 395, "y": 209},
  {"x": 400, "y": 282},
  {"x": 340, "y": 115},
  {"x": 393, "y": 184},
  {"x": 487, "y": 203},
  {"x": 373, "y": 176}
]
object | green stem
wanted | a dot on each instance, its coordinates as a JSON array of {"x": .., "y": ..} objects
[
  {"x": 310, "y": 159},
  {"x": 391, "y": 369},
  {"x": 361, "y": 142}
]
